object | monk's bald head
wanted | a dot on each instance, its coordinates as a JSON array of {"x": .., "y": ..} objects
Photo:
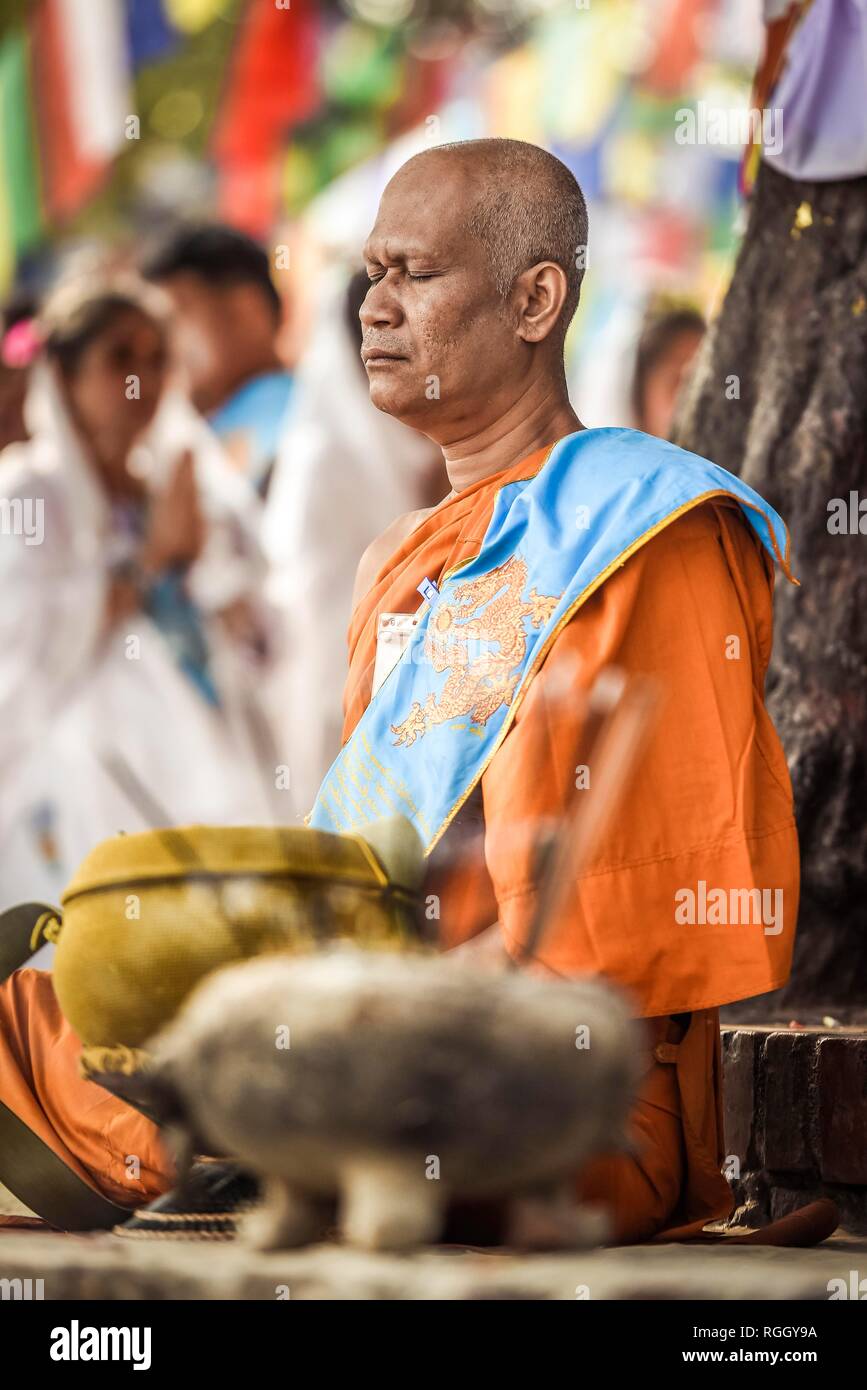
[
  {"x": 475, "y": 260},
  {"x": 520, "y": 203}
]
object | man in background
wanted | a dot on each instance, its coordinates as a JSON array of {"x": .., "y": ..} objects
[{"x": 228, "y": 318}]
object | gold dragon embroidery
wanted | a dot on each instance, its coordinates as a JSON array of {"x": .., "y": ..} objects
[{"x": 483, "y": 651}]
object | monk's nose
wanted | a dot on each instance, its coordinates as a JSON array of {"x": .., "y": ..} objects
[{"x": 380, "y": 308}]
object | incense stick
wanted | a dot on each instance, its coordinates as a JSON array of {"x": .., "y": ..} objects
[{"x": 619, "y": 712}]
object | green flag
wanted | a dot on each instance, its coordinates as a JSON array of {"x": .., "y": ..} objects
[{"x": 20, "y": 206}]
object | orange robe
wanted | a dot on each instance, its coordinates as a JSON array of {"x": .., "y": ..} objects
[
  {"x": 711, "y": 801},
  {"x": 106, "y": 1143}
]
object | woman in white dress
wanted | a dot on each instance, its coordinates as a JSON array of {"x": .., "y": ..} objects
[{"x": 132, "y": 637}]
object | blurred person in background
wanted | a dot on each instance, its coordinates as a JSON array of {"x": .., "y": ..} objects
[
  {"x": 344, "y": 471},
  {"x": 120, "y": 554},
  {"x": 664, "y": 359},
  {"x": 228, "y": 316},
  {"x": 18, "y": 348}
]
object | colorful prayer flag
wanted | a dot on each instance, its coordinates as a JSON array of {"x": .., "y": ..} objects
[
  {"x": 19, "y": 175},
  {"x": 151, "y": 36},
  {"x": 273, "y": 85},
  {"x": 193, "y": 15},
  {"x": 81, "y": 67},
  {"x": 95, "y": 41}
]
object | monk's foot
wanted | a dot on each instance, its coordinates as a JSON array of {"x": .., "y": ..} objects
[
  {"x": 285, "y": 1218},
  {"x": 555, "y": 1222},
  {"x": 390, "y": 1206}
]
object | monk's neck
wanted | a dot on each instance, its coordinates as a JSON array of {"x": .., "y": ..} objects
[{"x": 524, "y": 428}]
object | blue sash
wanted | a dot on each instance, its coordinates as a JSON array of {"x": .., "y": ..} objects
[{"x": 430, "y": 731}]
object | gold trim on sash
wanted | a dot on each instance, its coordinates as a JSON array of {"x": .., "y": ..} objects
[{"x": 591, "y": 588}]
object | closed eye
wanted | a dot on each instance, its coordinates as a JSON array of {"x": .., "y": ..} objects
[{"x": 375, "y": 277}]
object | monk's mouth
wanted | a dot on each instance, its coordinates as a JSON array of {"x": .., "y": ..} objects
[{"x": 375, "y": 358}]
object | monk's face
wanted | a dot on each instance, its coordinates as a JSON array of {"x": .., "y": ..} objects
[{"x": 439, "y": 345}]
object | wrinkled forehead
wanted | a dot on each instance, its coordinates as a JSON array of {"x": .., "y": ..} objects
[{"x": 423, "y": 212}]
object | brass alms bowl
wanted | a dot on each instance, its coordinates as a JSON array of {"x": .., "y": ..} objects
[{"x": 147, "y": 916}]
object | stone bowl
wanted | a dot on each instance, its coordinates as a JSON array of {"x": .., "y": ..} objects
[{"x": 390, "y": 1084}]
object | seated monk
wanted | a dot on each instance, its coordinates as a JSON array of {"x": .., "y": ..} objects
[{"x": 559, "y": 551}]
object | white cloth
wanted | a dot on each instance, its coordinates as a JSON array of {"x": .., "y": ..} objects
[
  {"x": 343, "y": 473},
  {"x": 71, "y": 693}
]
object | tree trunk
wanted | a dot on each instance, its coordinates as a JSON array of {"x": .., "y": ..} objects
[{"x": 792, "y": 337}]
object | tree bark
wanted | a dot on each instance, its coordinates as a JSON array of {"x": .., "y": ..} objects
[{"x": 792, "y": 336}]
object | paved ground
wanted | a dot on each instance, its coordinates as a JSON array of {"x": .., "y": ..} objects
[{"x": 109, "y": 1267}]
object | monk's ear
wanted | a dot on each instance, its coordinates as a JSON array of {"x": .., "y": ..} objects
[{"x": 539, "y": 296}]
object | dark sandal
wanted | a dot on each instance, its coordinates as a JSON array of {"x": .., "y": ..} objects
[{"x": 206, "y": 1206}]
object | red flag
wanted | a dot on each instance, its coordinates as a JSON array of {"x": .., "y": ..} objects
[
  {"x": 273, "y": 85},
  {"x": 678, "y": 46},
  {"x": 69, "y": 177},
  {"x": 81, "y": 71}
]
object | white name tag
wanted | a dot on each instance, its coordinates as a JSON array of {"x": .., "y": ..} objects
[{"x": 393, "y": 632}]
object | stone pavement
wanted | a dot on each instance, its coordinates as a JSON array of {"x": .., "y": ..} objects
[{"x": 113, "y": 1268}]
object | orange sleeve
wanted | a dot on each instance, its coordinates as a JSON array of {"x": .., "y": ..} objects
[
  {"x": 711, "y": 801},
  {"x": 94, "y": 1133}
]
